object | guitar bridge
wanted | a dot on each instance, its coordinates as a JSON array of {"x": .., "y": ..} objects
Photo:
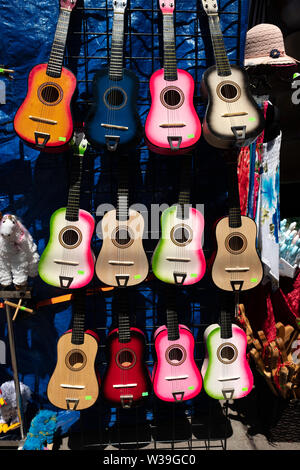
[
  {"x": 239, "y": 132},
  {"x": 228, "y": 393},
  {"x": 72, "y": 403},
  {"x": 172, "y": 139},
  {"x": 41, "y": 135},
  {"x": 178, "y": 396},
  {"x": 179, "y": 278},
  {"x": 126, "y": 401},
  {"x": 112, "y": 142}
]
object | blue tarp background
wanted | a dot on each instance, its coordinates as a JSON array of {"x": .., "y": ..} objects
[{"x": 34, "y": 184}]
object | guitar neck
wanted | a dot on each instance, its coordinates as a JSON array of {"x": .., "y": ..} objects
[
  {"x": 221, "y": 58},
  {"x": 117, "y": 47},
  {"x": 123, "y": 318},
  {"x": 172, "y": 317},
  {"x": 78, "y": 324},
  {"x": 233, "y": 196},
  {"x": 72, "y": 212},
  {"x": 58, "y": 47},
  {"x": 122, "y": 196},
  {"x": 226, "y": 324},
  {"x": 170, "y": 62},
  {"x": 172, "y": 325},
  {"x": 185, "y": 184}
]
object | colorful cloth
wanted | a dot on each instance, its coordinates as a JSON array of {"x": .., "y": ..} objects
[{"x": 258, "y": 176}]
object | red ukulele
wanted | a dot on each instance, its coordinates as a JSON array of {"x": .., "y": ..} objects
[{"x": 127, "y": 380}]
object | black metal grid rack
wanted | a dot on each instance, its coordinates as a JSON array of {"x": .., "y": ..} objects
[{"x": 201, "y": 423}]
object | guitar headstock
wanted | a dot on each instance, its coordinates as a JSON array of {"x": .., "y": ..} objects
[
  {"x": 67, "y": 4},
  {"x": 210, "y": 6},
  {"x": 119, "y": 6},
  {"x": 167, "y": 6},
  {"x": 79, "y": 143}
]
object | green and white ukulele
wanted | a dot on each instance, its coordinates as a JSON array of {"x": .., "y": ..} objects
[
  {"x": 178, "y": 257},
  {"x": 68, "y": 260},
  {"x": 226, "y": 372}
]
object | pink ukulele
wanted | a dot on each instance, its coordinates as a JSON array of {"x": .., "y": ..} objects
[
  {"x": 172, "y": 125},
  {"x": 175, "y": 376}
]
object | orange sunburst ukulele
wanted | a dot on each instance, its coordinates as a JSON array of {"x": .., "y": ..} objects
[{"x": 44, "y": 119}]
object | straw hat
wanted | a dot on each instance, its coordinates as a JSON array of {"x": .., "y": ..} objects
[{"x": 265, "y": 46}]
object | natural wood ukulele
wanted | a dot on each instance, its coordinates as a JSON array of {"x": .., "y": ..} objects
[
  {"x": 236, "y": 266},
  {"x": 122, "y": 260},
  {"x": 74, "y": 384}
]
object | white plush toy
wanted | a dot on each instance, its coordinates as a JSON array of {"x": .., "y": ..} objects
[
  {"x": 18, "y": 253},
  {"x": 8, "y": 410}
]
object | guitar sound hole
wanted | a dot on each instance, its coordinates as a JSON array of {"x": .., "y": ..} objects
[
  {"x": 70, "y": 237},
  {"x": 181, "y": 235},
  {"x": 122, "y": 237},
  {"x": 50, "y": 94},
  {"x": 115, "y": 98},
  {"x": 126, "y": 359},
  {"x": 175, "y": 355},
  {"x": 236, "y": 243},
  {"x": 172, "y": 97},
  {"x": 76, "y": 360},
  {"x": 229, "y": 91},
  {"x": 227, "y": 353}
]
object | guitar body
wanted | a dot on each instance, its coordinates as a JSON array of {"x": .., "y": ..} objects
[
  {"x": 74, "y": 383},
  {"x": 236, "y": 258},
  {"x": 225, "y": 370},
  {"x": 68, "y": 260},
  {"x": 44, "y": 119},
  {"x": 114, "y": 114},
  {"x": 122, "y": 262},
  {"x": 126, "y": 367},
  {"x": 230, "y": 105},
  {"x": 175, "y": 359},
  {"x": 172, "y": 124},
  {"x": 178, "y": 262}
]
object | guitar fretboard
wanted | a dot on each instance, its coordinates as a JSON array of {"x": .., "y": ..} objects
[
  {"x": 226, "y": 324},
  {"x": 235, "y": 220},
  {"x": 72, "y": 212},
  {"x": 117, "y": 45},
  {"x": 58, "y": 47},
  {"x": 122, "y": 196},
  {"x": 172, "y": 316},
  {"x": 124, "y": 328},
  {"x": 185, "y": 184},
  {"x": 170, "y": 62},
  {"x": 222, "y": 61},
  {"x": 78, "y": 326},
  {"x": 123, "y": 317},
  {"x": 172, "y": 325}
]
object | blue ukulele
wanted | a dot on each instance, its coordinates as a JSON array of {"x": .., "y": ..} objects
[{"x": 113, "y": 121}]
